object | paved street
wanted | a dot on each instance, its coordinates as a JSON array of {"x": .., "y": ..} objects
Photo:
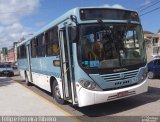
[
  {"x": 16, "y": 100},
  {"x": 24, "y": 100}
]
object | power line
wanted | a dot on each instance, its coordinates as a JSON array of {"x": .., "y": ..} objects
[
  {"x": 150, "y": 11},
  {"x": 149, "y": 6},
  {"x": 144, "y": 5}
]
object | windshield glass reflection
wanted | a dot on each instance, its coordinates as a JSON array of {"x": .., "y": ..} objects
[{"x": 110, "y": 46}]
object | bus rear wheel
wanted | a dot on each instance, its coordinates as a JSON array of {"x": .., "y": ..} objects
[
  {"x": 26, "y": 79},
  {"x": 56, "y": 93}
]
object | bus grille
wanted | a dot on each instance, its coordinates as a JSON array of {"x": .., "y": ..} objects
[{"x": 118, "y": 76}]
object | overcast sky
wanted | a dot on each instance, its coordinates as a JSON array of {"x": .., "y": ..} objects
[{"x": 19, "y": 18}]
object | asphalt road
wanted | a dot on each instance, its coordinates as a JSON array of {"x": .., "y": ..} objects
[{"x": 135, "y": 108}]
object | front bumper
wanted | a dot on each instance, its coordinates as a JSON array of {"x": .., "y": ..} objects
[{"x": 87, "y": 97}]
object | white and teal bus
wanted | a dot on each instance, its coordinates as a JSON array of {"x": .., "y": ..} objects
[{"x": 87, "y": 56}]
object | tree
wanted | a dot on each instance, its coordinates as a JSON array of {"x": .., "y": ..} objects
[{"x": 159, "y": 31}]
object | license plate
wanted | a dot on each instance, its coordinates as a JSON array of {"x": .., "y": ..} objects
[{"x": 122, "y": 94}]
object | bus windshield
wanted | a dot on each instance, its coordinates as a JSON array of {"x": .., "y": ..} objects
[{"x": 111, "y": 46}]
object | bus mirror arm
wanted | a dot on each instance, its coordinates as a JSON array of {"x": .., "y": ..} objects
[{"x": 74, "y": 19}]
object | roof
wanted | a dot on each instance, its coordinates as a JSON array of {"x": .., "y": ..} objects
[
  {"x": 147, "y": 32},
  {"x": 64, "y": 17},
  {"x": 155, "y": 35}
]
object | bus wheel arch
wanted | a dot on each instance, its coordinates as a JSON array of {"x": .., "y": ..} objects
[
  {"x": 52, "y": 80},
  {"x": 55, "y": 91},
  {"x": 26, "y": 78}
]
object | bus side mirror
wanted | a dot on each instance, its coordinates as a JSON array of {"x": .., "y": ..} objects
[
  {"x": 73, "y": 18},
  {"x": 56, "y": 63}
]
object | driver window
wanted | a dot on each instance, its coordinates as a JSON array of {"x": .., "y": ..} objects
[
  {"x": 131, "y": 39},
  {"x": 52, "y": 44},
  {"x": 132, "y": 44}
]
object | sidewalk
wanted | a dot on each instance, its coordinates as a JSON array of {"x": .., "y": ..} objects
[{"x": 15, "y": 100}]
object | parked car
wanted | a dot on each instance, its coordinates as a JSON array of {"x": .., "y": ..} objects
[
  {"x": 154, "y": 68},
  {"x": 6, "y": 69},
  {"x": 155, "y": 56}
]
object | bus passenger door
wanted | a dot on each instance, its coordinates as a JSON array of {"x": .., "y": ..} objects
[
  {"x": 28, "y": 51},
  {"x": 66, "y": 65}
]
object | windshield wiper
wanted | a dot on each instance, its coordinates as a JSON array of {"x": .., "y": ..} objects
[
  {"x": 113, "y": 38},
  {"x": 126, "y": 29},
  {"x": 107, "y": 29},
  {"x": 110, "y": 36},
  {"x": 102, "y": 24}
]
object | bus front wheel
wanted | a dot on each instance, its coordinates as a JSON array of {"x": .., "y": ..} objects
[{"x": 56, "y": 93}]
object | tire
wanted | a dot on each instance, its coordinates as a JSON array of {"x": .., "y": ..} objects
[
  {"x": 10, "y": 74},
  {"x": 151, "y": 75},
  {"x": 56, "y": 93},
  {"x": 26, "y": 80}
]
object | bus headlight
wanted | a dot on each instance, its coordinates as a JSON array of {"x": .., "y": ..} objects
[
  {"x": 143, "y": 74},
  {"x": 89, "y": 85}
]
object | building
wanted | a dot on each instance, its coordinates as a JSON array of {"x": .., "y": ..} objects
[
  {"x": 15, "y": 51},
  {"x": 151, "y": 38},
  {"x": 11, "y": 55},
  {"x": 3, "y": 54},
  {"x": 152, "y": 43},
  {"x": 0, "y": 56}
]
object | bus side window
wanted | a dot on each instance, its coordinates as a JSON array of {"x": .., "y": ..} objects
[
  {"x": 52, "y": 42},
  {"x": 21, "y": 52},
  {"x": 41, "y": 46},
  {"x": 55, "y": 47},
  {"x": 34, "y": 47}
]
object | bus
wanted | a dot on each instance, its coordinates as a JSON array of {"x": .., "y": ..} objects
[{"x": 87, "y": 56}]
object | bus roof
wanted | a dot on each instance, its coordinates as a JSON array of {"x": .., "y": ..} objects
[{"x": 64, "y": 17}]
